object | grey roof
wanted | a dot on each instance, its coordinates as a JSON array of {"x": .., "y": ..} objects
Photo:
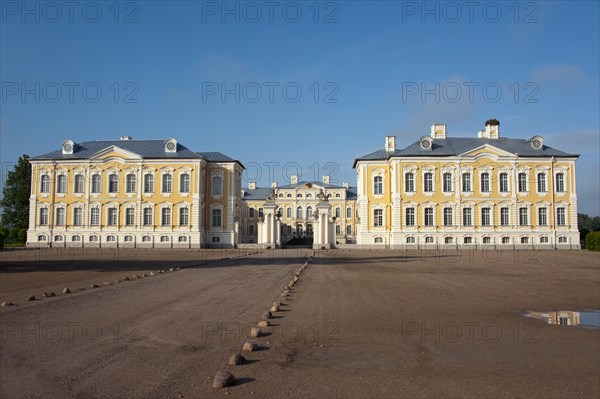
[
  {"x": 458, "y": 145},
  {"x": 351, "y": 193},
  {"x": 144, "y": 148},
  {"x": 313, "y": 182},
  {"x": 260, "y": 193},
  {"x": 216, "y": 157}
]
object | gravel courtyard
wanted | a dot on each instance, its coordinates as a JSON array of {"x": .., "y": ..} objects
[{"x": 360, "y": 324}]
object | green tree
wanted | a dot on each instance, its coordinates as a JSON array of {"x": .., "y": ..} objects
[{"x": 15, "y": 195}]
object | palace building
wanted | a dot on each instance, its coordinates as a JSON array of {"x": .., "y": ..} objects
[
  {"x": 138, "y": 193},
  {"x": 473, "y": 191}
]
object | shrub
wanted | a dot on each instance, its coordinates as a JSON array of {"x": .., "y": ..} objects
[
  {"x": 22, "y": 235},
  {"x": 1, "y": 240},
  {"x": 592, "y": 241},
  {"x": 582, "y": 233}
]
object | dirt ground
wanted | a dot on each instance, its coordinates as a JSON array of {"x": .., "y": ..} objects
[{"x": 360, "y": 324}]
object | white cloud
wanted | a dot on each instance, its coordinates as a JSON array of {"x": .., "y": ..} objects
[{"x": 560, "y": 74}]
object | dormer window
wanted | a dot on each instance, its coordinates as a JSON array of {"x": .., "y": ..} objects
[
  {"x": 67, "y": 147},
  {"x": 171, "y": 146}
]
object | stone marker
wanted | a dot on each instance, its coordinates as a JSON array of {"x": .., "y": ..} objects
[
  {"x": 264, "y": 323},
  {"x": 106, "y": 283},
  {"x": 236, "y": 359},
  {"x": 255, "y": 333},
  {"x": 223, "y": 379},
  {"x": 267, "y": 315},
  {"x": 66, "y": 290},
  {"x": 275, "y": 308},
  {"x": 5, "y": 304},
  {"x": 48, "y": 294},
  {"x": 172, "y": 269},
  {"x": 152, "y": 273},
  {"x": 94, "y": 286},
  {"x": 250, "y": 346},
  {"x": 31, "y": 298}
]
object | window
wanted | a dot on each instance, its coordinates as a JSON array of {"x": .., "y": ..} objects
[
  {"x": 146, "y": 239},
  {"x": 487, "y": 240},
  {"x": 289, "y": 195},
  {"x": 348, "y": 213},
  {"x": 165, "y": 216},
  {"x": 505, "y": 240},
  {"x": 447, "y": 216},
  {"x": 428, "y": 216},
  {"x": 112, "y": 216},
  {"x": 522, "y": 182},
  {"x": 409, "y": 182},
  {"x": 428, "y": 240},
  {"x": 560, "y": 182},
  {"x": 41, "y": 237},
  {"x": 45, "y": 184},
  {"x": 467, "y": 217},
  {"x": 523, "y": 220},
  {"x": 338, "y": 212},
  {"x": 130, "y": 186},
  {"x": 543, "y": 240},
  {"x": 164, "y": 238},
  {"x": 216, "y": 217},
  {"x": 94, "y": 216},
  {"x": 148, "y": 183},
  {"x": 337, "y": 195},
  {"x": 468, "y": 240},
  {"x": 43, "y": 216},
  {"x": 485, "y": 182},
  {"x": 130, "y": 216},
  {"x": 378, "y": 185},
  {"x": 503, "y": 182},
  {"x": 60, "y": 216},
  {"x": 541, "y": 182},
  {"x": 299, "y": 195},
  {"x": 147, "y": 216},
  {"x": 251, "y": 229},
  {"x": 448, "y": 240},
  {"x": 113, "y": 183},
  {"x": 78, "y": 186},
  {"x": 93, "y": 238},
  {"x": 184, "y": 183},
  {"x": 299, "y": 212},
  {"x": 560, "y": 216},
  {"x": 562, "y": 239},
  {"x": 76, "y": 238},
  {"x": 378, "y": 217},
  {"x": 167, "y": 183},
  {"x": 261, "y": 213},
  {"x": 216, "y": 239},
  {"x": 485, "y": 216},
  {"x": 524, "y": 240},
  {"x": 217, "y": 182},
  {"x": 288, "y": 212},
  {"x": 410, "y": 216},
  {"x": 504, "y": 216},
  {"x": 58, "y": 238},
  {"x": 111, "y": 238},
  {"x": 309, "y": 212},
  {"x": 563, "y": 321},
  {"x": 447, "y": 182},
  {"x": 96, "y": 183},
  {"x": 349, "y": 229},
  {"x": 542, "y": 216},
  {"x": 338, "y": 230},
  {"x": 410, "y": 240},
  {"x": 251, "y": 213},
  {"x": 428, "y": 182},
  {"x": 378, "y": 240},
  {"x": 184, "y": 216},
  {"x": 77, "y": 216},
  {"x": 61, "y": 184},
  {"x": 182, "y": 239},
  {"x": 128, "y": 238},
  {"x": 466, "y": 182}
]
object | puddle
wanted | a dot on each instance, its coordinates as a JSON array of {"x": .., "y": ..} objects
[{"x": 587, "y": 318}]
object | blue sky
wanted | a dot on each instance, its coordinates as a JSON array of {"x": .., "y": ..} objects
[{"x": 364, "y": 70}]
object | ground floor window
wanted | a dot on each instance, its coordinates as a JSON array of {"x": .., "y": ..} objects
[
  {"x": 111, "y": 238},
  {"x": 58, "y": 238},
  {"x": 524, "y": 240},
  {"x": 487, "y": 240},
  {"x": 378, "y": 240},
  {"x": 505, "y": 240},
  {"x": 216, "y": 239},
  {"x": 182, "y": 239},
  {"x": 164, "y": 238},
  {"x": 93, "y": 238},
  {"x": 428, "y": 240},
  {"x": 348, "y": 229},
  {"x": 146, "y": 239},
  {"x": 468, "y": 240},
  {"x": 448, "y": 240},
  {"x": 76, "y": 238},
  {"x": 562, "y": 239},
  {"x": 543, "y": 240},
  {"x": 128, "y": 238},
  {"x": 410, "y": 240}
]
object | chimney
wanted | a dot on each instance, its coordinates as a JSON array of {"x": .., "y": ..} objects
[
  {"x": 390, "y": 143},
  {"x": 124, "y": 138},
  {"x": 252, "y": 185},
  {"x": 346, "y": 184},
  {"x": 492, "y": 130},
  {"x": 294, "y": 179},
  {"x": 326, "y": 179},
  {"x": 438, "y": 131},
  {"x": 273, "y": 184}
]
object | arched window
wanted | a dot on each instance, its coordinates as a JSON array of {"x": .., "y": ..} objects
[
  {"x": 182, "y": 239},
  {"x": 378, "y": 185},
  {"x": 146, "y": 239},
  {"x": 41, "y": 237},
  {"x": 94, "y": 238},
  {"x": 299, "y": 212},
  {"x": 96, "y": 183},
  {"x": 76, "y": 238},
  {"x": 288, "y": 212},
  {"x": 184, "y": 183},
  {"x": 349, "y": 229},
  {"x": 428, "y": 182},
  {"x": 338, "y": 212},
  {"x": 113, "y": 183},
  {"x": 378, "y": 240},
  {"x": 130, "y": 186},
  {"x": 111, "y": 238},
  {"x": 348, "y": 213},
  {"x": 148, "y": 183},
  {"x": 261, "y": 212},
  {"x": 128, "y": 238},
  {"x": 167, "y": 183},
  {"x": 217, "y": 185},
  {"x": 309, "y": 212},
  {"x": 78, "y": 186},
  {"x": 251, "y": 212},
  {"x": 61, "y": 184},
  {"x": 164, "y": 238},
  {"x": 45, "y": 184}
]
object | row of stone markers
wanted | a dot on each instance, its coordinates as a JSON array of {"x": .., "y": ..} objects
[
  {"x": 67, "y": 290},
  {"x": 224, "y": 378}
]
